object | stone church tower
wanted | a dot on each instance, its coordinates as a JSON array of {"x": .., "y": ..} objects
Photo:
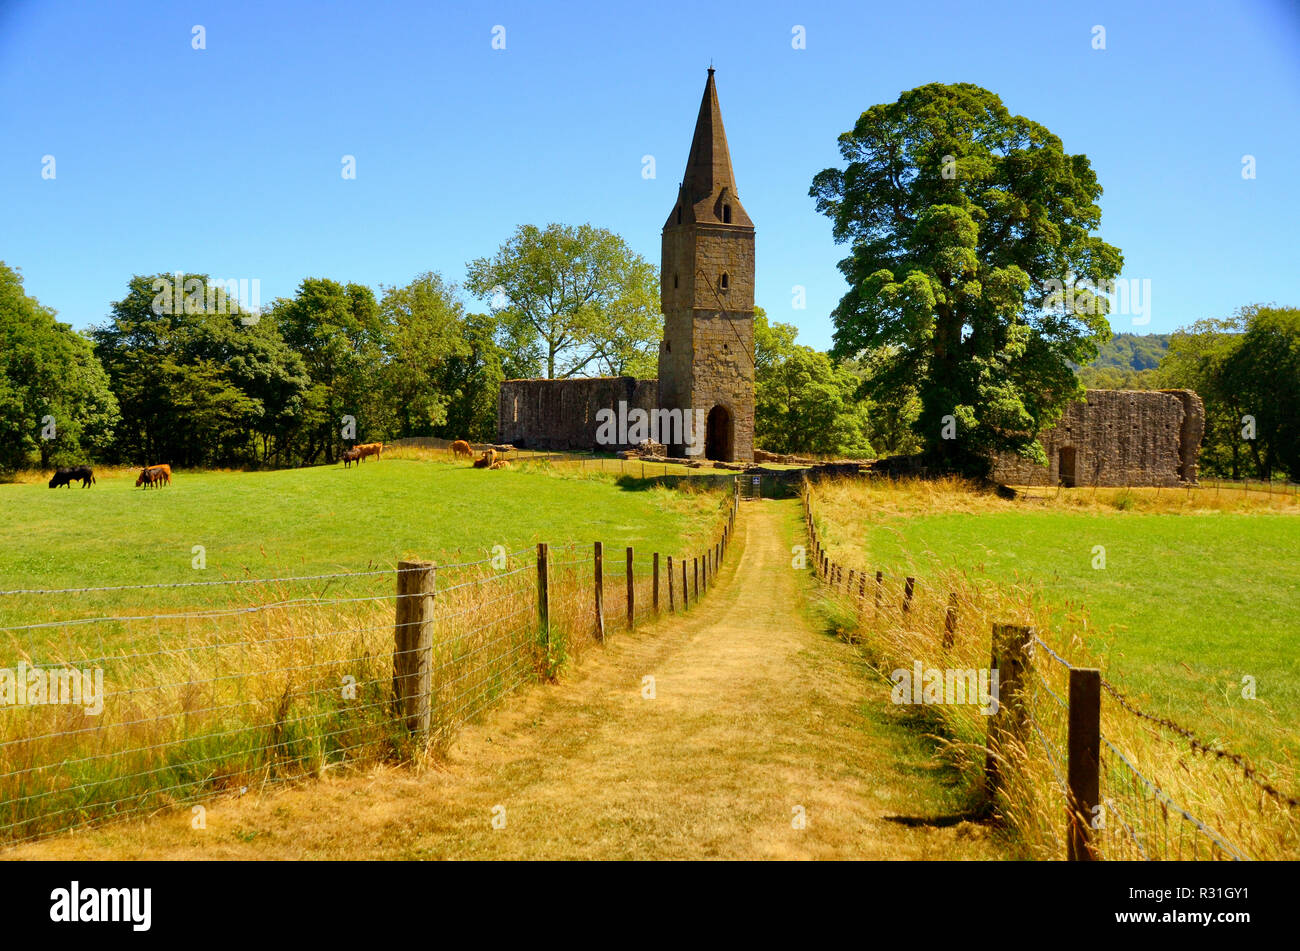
[{"x": 706, "y": 359}]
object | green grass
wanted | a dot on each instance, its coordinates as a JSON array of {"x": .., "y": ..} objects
[
  {"x": 1186, "y": 605},
  {"x": 316, "y": 520}
]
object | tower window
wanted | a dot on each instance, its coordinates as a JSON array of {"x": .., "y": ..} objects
[
  {"x": 674, "y": 282},
  {"x": 726, "y": 214},
  {"x": 679, "y": 214},
  {"x": 725, "y": 281}
]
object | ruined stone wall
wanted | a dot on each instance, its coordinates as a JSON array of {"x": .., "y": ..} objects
[
  {"x": 561, "y": 414},
  {"x": 1117, "y": 437}
]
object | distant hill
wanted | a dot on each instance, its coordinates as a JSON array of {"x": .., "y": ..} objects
[{"x": 1132, "y": 352}]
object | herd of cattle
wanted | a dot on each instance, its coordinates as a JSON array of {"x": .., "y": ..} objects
[
  {"x": 159, "y": 476},
  {"x": 357, "y": 453}
]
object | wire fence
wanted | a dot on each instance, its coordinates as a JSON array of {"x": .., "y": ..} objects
[
  {"x": 1075, "y": 766},
  {"x": 113, "y": 707}
]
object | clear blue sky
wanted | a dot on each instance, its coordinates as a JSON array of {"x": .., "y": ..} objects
[{"x": 227, "y": 160}]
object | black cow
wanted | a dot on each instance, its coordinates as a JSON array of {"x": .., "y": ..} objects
[{"x": 84, "y": 474}]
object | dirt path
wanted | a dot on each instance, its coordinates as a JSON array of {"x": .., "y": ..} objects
[{"x": 757, "y": 719}]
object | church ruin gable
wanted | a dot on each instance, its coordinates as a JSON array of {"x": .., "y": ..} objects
[{"x": 1116, "y": 437}]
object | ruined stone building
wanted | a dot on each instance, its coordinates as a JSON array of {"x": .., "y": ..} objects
[
  {"x": 706, "y": 357},
  {"x": 1117, "y": 437}
]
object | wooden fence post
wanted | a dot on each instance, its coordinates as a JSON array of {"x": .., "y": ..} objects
[
  {"x": 684, "y": 591},
  {"x": 695, "y": 571},
  {"x": 413, "y": 646},
  {"x": 950, "y": 621},
  {"x": 862, "y": 587},
  {"x": 1010, "y": 659},
  {"x": 655, "y": 596},
  {"x": 908, "y": 587},
  {"x": 671, "y": 605},
  {"x": 1083, "y": 760},
  {"x": 598, "y": 570},
  {"x": 631, "y": 594},
  {"x": 880, "y": 590},
  {"x": 544, "y": 595}
]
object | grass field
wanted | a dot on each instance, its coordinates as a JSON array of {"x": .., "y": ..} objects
[
  {"x": 214, "y": 678},
  {"x": 1196, "y": 592},
  {"x": 305, "y": 521}
]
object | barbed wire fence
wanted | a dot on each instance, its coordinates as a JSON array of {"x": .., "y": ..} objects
[
  {"x": 1069, "y": 759},
  {"x": 112, "y": 707}
]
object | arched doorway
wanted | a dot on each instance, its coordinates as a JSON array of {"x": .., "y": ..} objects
[{"x": 717, "y": 438}]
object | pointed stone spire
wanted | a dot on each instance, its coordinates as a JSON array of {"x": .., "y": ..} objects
[{"x": 708, "y": 190}]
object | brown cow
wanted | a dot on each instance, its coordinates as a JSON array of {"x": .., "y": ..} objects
[
  {"x": 487, "y": 460},
  {"x": 154, "y": 475},
  {"x": 350, "y": 456},
  {"x": 461, "y": 448},
  {"x": 370, "y": 449}
]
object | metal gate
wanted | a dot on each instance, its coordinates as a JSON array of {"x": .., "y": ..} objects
[{"x": 751, "y": 486}]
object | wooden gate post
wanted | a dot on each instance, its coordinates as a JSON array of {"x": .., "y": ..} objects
[
  {"x": 655, "y": 596},
  {"x": 950, "y": 621},
  {"x": 413, "y": 646},
  {"x": 631, "y": 594},
  {"x": 671, "y": 605},
  {"x": 599, "y": 572},
  {"x": 544, "y": 595},
  {"x": 1010, "y": 659},
  {"x": 1083, "y": 760}
]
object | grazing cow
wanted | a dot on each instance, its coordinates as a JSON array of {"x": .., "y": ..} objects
[
  {"x": 151, "y": 476},
  {"x": 72, "y": 474},
  {"x": 350, "y": 456},
  {"x": 461, "y": 448},
  {"x": 370, "y": 449},
  {"x": 487, "y": 460}
]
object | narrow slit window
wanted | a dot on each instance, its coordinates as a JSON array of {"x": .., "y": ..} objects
[
  {"x": 726, "y": 282},
  {"x": 679, "y": 214},
  {"x": 726, "y": 214}
]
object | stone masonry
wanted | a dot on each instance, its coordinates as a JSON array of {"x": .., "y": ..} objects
[
  {"x": 561, "y": 414},
  {"x": 1117, "y": 437}
]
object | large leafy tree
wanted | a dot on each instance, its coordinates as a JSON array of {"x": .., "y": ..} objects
[
  {"x": 55, "y": 401},
  {"x": 345, "y": 342},
  {"x": 1246, "y": 369},
  {"x": 964, "y": 223},
  {"x": 425, "y": 330},
  {"x": 471, "y": 379},
  {"x": 199, "y": 381},
  {"x": 576, "y": 299},
  {"x": 1265, "y": 370},
  {"x": 803, "y": 401}
]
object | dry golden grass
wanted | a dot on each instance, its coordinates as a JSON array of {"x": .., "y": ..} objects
[{"x": 1139, "y": 823}]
